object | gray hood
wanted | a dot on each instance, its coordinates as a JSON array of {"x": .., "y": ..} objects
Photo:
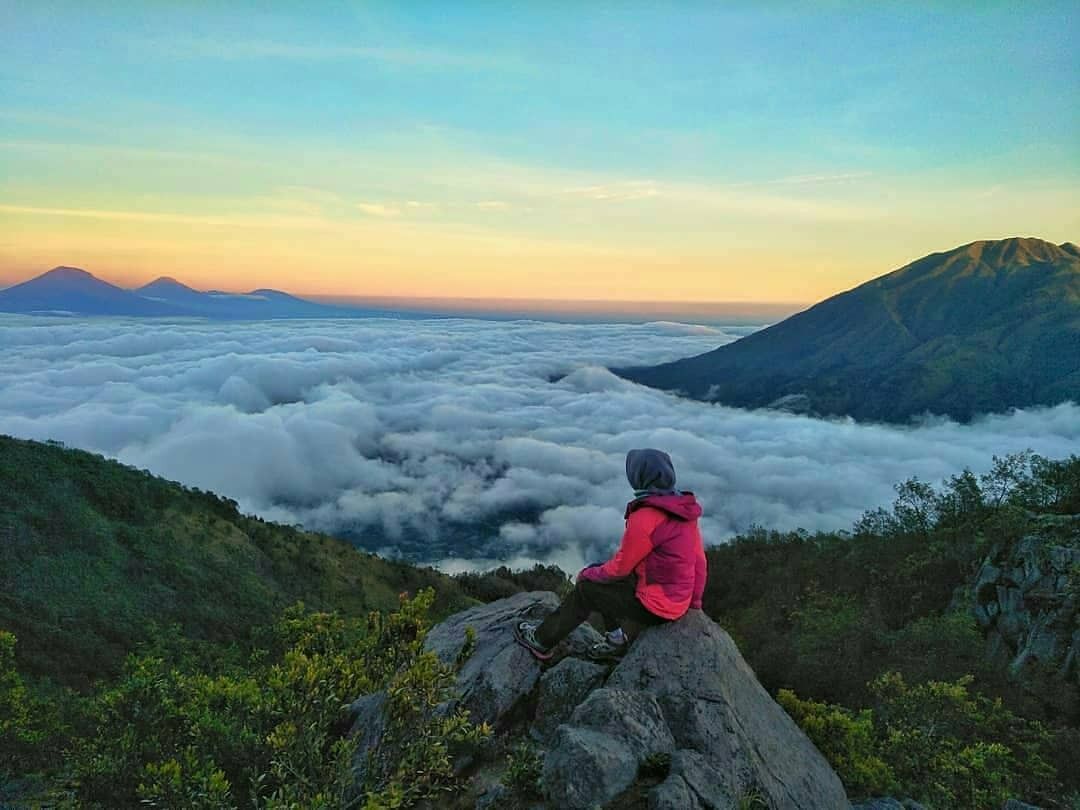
[{"x": 650, "y": 470}]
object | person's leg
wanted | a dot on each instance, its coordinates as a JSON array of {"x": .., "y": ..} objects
[
  {"x": 627, "y": 618},
  {"x": 612, "y": 600},
  {"x": 615, "y": 601}
]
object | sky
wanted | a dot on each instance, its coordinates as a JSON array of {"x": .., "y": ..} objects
[
  {"x": 417, "y": 437},
  {"x": 611, "y": 151}
]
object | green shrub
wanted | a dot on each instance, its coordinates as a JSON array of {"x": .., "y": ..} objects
[
  {"x": 935, "y": 741},
  {"x": 34, "y": 723},
  {"x": 415, "y": 757},
  {"x": 950, "y": 747},
  {"x": 270, "y": 733},
  {"x": 16, "y": 733},
  {"x": 847, "y": 740},
  {"x": 523, "y": 769}
]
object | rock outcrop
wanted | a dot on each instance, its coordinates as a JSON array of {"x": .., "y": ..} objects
[
  {"x": 1026, "y": 600},
  {"x": 682, "y": 705},
  {"x": 723, "y": 720},
  {"x": 494, "y": 681}
]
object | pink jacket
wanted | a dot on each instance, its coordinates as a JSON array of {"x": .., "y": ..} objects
[{"x": 662, "y": 545}]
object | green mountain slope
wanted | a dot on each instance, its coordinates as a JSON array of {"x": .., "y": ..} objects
[
  {"x": 96, "y": 557},
  {"x": 982, "y": 328}
]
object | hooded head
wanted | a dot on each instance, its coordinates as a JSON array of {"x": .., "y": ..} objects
[{"x": 650, "y": 472}]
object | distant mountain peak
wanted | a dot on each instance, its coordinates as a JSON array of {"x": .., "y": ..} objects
[
  {"x": 1014, "y": 251},
  {"x": 63, "y": 271},
  {"x": 166, "y": 283}
]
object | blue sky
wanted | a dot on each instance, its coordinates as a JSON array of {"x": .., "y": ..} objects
[{"x": 770, "y": 151}]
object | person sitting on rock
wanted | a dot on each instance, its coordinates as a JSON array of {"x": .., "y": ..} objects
[{"x": 657, "y": 574}]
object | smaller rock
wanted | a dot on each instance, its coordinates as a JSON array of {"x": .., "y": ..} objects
[
  {"x": 673, "y": 794},
  {"x": 694, "y": 784},
  {"x": 562, "y": 688},
  {"x": 369, "y": 724},
  {"x": 586, "y": 768},
  {"x": 596, "y": 756},
  {"x": 884, "y": 803},
  {"x": 494, "y": 796},
  {"x": 634, "y": 718},
  {"x": 1016, "y": 804}
]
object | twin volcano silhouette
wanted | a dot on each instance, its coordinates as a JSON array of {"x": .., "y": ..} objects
[{"x": 69, "y": 290}]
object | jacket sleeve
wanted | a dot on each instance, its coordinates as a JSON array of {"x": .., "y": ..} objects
[
  {"x": 636, "y": 544},
  {"x": 701, "y": 572}
]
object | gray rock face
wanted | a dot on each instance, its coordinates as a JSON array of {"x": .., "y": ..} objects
[
  {"x": 492, "y": 682},
  {"x": 562, "y": 688},
  {"x": 1024, "y": 599},
  {"x": 729, "y": 736},
  {"x": 683, "y": 690},
  {"x": 587, "y": 768},
  {"x": 693, "y": 782},
  {"x": 597, "y": 754},
  {"x": 369, "y": 724},
  {"x": 500, "y": 671}
]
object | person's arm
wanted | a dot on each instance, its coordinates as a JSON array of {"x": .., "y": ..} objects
[{"x": 636, "y": 543}]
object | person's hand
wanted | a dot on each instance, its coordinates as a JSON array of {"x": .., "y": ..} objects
[{"x": 590, "y": 573}]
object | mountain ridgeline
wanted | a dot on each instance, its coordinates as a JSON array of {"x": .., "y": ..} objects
[
  {"x": 72, "y": 291},
  {"x": 983, "y": 328}
]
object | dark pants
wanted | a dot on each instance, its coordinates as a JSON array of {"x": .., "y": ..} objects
[{"x": 615, "y": 601}]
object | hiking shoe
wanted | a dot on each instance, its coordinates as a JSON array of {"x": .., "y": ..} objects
[
  {"x": 613, "y": 645},
  {"x": 525, "y": 633}
]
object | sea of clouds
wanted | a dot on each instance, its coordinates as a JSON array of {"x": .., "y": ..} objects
[{"x": 445, "y": 440}]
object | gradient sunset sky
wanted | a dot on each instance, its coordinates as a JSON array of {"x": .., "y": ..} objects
[{"x": 617, "y": 151}]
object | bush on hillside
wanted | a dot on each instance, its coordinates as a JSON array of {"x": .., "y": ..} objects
[
  {"x": 935, "y": 741},
  {"x": 847, "y": 740},
  {"x": 270, "y": 734}
]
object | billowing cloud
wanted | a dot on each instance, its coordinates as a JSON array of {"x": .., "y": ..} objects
[{"x": 447, "y": 441}]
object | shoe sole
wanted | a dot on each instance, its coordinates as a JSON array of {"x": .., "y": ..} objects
[{"x": 540, "y": 656}]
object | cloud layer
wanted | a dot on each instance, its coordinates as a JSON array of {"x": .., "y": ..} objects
[{"x": 444, "y": 440}]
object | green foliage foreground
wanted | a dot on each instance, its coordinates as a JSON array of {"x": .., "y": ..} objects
[
  {"x": 268, "y": 733},
  {"x": 934, "y": 740},
  {"x": 158, "y": 663}
]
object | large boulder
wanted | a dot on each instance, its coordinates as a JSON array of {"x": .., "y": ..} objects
[
  {"x": 729, "y": 737},
  {"x": 682, "y": 706}
]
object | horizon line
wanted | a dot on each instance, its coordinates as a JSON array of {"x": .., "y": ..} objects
[{"x": 353, "y": 298}]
